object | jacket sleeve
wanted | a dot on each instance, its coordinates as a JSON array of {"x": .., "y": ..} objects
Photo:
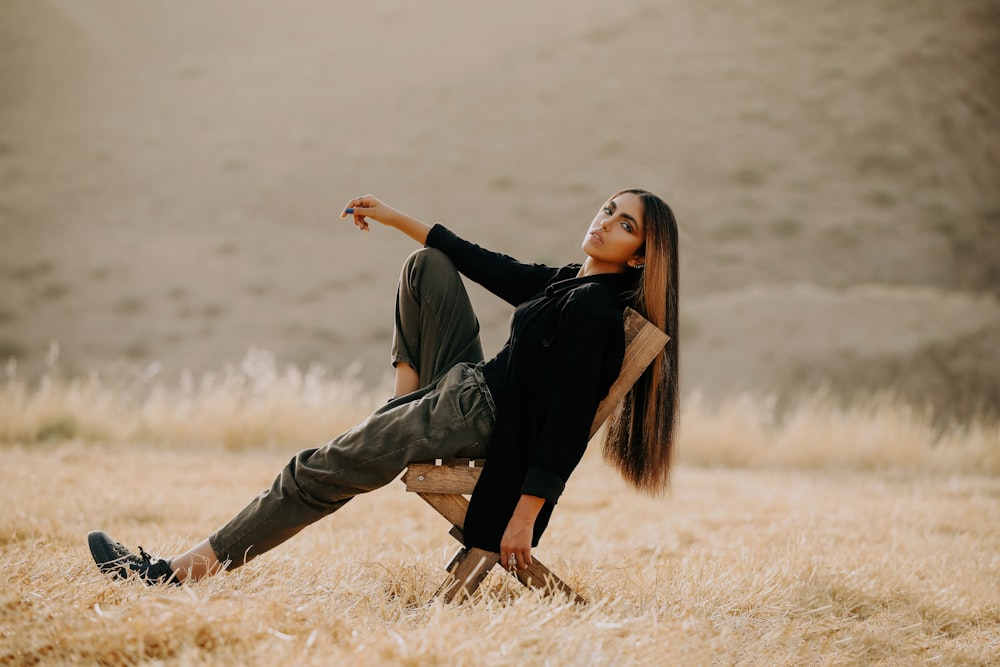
[
  {"x": 509, "y": 279},
  {"x": 591, "y": 350}
]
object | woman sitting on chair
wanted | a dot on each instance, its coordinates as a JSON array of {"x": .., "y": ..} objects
[{"x": 528, "y": 410}]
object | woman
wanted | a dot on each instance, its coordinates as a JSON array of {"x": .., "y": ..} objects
[{"x": 528, "y": 410}]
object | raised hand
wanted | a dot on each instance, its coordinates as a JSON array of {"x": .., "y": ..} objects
[{"x": 367, "y": 207}]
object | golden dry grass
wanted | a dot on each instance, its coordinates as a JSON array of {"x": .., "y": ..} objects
[
  {"x": 828, "y": 537},
  {"x": 250, "y": 404}
]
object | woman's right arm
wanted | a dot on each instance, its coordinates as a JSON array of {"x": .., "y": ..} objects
[{"x": 509, "y": 279}]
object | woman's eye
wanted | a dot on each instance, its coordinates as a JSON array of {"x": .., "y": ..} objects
[
  {"x": 627, "y": 226},
  {"x": 607, "y": 209}
]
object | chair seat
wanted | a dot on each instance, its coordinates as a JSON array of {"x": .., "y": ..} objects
[{"x": 443, "y": 476}]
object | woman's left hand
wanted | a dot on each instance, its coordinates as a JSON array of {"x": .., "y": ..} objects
[
  {"x": 516, "y": 540},
  {"x": 515, "y": 545}
]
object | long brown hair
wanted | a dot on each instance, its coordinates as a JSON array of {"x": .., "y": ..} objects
[{"x": 642, "y": 429}]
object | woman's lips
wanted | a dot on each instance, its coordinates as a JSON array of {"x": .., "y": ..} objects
[{"x": 597, "y": 237}]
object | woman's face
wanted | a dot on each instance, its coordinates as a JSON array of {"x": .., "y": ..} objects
[{"x": 616, "y": 235}]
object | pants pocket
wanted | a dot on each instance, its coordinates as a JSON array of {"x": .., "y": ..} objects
[
  {"x": 474, "y": 408},
  {"x": 476, "y": 450}
]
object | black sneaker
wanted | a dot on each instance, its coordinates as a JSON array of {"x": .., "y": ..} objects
[{"x": 114, "y": 559}]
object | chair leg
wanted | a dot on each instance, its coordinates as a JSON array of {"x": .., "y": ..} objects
[
  {"x": 463, "y": 567},
  {"x": 537, "y": 575},
  {"x": 470, "y": 566},
  {"x": 468, "y": 569}
]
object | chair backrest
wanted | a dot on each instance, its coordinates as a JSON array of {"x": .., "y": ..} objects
[{"x": 643, "y": 341}]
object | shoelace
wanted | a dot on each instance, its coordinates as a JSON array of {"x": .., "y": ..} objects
[{"x": 145, "y": 556}]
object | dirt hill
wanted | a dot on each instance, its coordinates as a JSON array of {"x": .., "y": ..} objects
[{"x": 171, "y": 175}]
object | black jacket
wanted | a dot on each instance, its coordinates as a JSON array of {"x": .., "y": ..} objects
[{"x": 565, "y": 350}]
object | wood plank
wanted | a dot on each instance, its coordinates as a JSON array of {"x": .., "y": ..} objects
[
  {"x": 451, "y": 463},
  {"x": 455, "y": 561},
  {"x": 537, "y": 575},
  {"x": 469, "y": 570},
  {"x": 451, "y": 506},
  {"x": 469, "y": 567},
  {"x": 633, "y": 323},
  {"x": 429, "y": 478},
  {"x": 644, "y": 342}
]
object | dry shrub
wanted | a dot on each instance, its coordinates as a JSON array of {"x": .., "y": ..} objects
[
  {"x": 879, "y": 432},
  {"x": 258, "y": 404},
  {"x": 253, "y": 404}
]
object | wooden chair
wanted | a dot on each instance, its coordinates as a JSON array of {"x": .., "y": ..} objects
[{"x": 444, "y": 483}]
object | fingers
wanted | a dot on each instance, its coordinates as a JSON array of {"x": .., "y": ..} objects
[
  {"x": 359, "y": 208},
  {"x": 359, "y": 217},
  {"x": 359, "y": 202},
  {"x": 515, "y": 560},
  {"x": 358, "y": 205}
]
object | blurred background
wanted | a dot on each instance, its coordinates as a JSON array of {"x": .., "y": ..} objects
[{"x": 171, "y": 177}]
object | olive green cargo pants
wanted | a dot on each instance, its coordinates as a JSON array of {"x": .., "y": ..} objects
[{"x": 451, "y": 415}]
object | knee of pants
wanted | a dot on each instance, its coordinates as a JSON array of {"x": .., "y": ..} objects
[{"x": 427, "y": 261}]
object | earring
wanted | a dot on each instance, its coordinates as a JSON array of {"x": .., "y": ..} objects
[{"x": 638, "y": 266}]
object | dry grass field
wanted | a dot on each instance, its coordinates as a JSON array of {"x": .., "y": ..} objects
[
  {"x": 171, "y": 175},
  {"x": 170, "y": 181},
  {"x": 829, "y": 536}
]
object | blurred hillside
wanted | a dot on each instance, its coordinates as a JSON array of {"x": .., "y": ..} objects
[{"x": 171, "y": 176}]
